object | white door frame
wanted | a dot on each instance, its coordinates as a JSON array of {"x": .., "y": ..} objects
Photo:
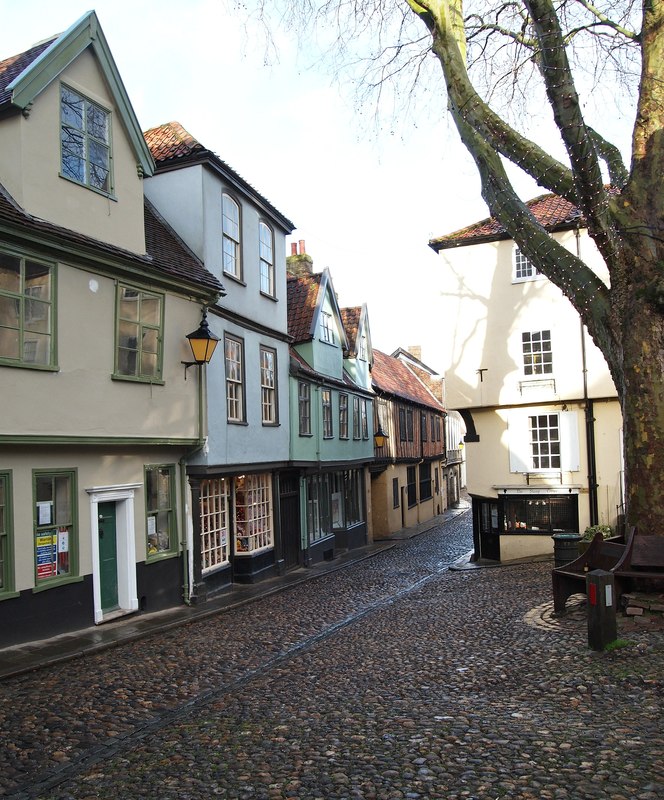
[{"x": 123, "y": 497}]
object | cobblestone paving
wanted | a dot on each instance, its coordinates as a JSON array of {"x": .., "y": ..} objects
[{"x": 393, "y": 678}]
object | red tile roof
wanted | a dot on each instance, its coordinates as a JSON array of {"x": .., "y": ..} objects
[
  {"x": 392, "y": 376},
  {"x": 350, "y": 318},
  {"x": 171, "y": 141},
  {"x": 12, "y": 67},
  {"x": 302, "y": 294},
  {"x": 171, "y": 144},
  {"x": 549, "y": 210}
]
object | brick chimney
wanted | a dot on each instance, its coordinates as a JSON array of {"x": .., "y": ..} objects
[
  {"x": 416, "y": 351},
  {"x": 298, "y": 263}
]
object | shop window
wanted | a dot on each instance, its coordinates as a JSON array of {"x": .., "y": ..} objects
[
  {"x": 215, "y": 509},
  {"x": 253, "y": 513},
  {"x": 160, "y": 505},
  {"x": 54, "y": 526},
  {"x": 547, "y": 515}
]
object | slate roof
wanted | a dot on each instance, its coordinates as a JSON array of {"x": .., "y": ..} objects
[
  {"x": 172, "y": 145},
  {"x": 11, "y": 68},
  {"x": 166, "y": 253},
  {"x": 302, "y": 294},
  {"x": 550, "y": 210},
  {"x": 392, "y": 376}
]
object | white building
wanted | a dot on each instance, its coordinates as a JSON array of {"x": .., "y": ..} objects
[{"x": 541, "y": 411}]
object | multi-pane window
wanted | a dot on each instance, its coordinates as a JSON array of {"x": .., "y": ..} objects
[
  {"x": 268, "y": 386},
  {"x": 425, "y": 481},
  {"x": 545, "y": 514},
  {"x": 405, "y": 424},
  {"x": 253, "y": 513},
  {"x": 319, "y": 512},
  {"x": 139, "y": 334},
  {"x": 234, "y": 379},
  {"x": 54, "y": 525},
  {"x": 304, "y": 408},
  {"x": 363, "y": 347},
  {"x": 356, "y": 418},
  {"x": 26, "y": 311},
  {"x": 215, "y": 536},
  {"x": 266, "y": 254},
  {"x": 523, "y": 268},
  {"x": 396, "y": 502},
  {"x": 423, "y": 426},
  {"x": 411, "y": 486},
  {"x": 231, "y": 236},
  {"x": 326, "y": 329},
  {"x": 545, "y": 441},
  {"x": 6, "y": 562},
  {"x": 84, "y": 141},
  {"x": 537, "y": 355},
  {"x": 160, "y": 510},
  {"x": 364, "y": 418},
  {"x": 326, "y": 399},
  {"x": 343, "y": 416}
]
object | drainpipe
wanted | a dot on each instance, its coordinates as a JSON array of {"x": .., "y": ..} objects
[
  {"x": 186, "y": 535},
  {"x": 589, "y": 419}
]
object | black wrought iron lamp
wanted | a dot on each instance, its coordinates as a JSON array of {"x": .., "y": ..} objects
[
  {"x": 380, "y": 437},
  {"x": 203, "y": 343}
]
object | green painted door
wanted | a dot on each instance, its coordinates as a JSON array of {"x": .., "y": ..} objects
[{"x": 108, "y": 557}]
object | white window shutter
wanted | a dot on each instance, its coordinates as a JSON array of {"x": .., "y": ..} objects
[
  {"x": 519, "y": 442},
  {"x": 569, "y": 441}
]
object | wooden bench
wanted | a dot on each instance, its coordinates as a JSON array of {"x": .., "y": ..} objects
[
  {"x": 641, "y": 566},
  {"x": 571, "y": 578}
]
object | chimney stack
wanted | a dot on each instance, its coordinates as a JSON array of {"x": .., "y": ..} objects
[{"x": 298, "y": 263}]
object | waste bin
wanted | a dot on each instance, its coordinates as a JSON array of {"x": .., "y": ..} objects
[{"x": 565, "y": 547}]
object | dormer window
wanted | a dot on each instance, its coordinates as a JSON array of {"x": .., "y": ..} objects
[
  {"x": 85, "y": 141},
  {"x": 326, "y": 329},
  {"x": 363, "y": 347}
]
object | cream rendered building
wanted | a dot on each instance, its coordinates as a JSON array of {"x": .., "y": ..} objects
[
  {"x": 543, "y": 420},
  {"x": 97, "y": 295}
]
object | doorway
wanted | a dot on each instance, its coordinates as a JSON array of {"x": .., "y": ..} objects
[{"x": 108, "y": 557}]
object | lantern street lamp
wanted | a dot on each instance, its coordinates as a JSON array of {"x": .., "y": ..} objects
[
  {"x": 203, "y": 343},
  {"x": 380, "y": 437}
]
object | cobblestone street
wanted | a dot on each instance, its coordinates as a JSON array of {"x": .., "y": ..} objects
[{"x": 391, "y": 678}]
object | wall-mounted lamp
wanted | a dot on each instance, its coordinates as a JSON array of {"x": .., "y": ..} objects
[
  {"x": 461, "y": 445},
  {"x": 203, "y": 343},
  {"x": 380, "y": 437}
]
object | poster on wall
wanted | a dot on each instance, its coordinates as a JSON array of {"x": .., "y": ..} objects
[{"x": 46, "y": 547}]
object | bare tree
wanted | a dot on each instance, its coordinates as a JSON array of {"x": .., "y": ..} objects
[{"x": 485, "y": 50}]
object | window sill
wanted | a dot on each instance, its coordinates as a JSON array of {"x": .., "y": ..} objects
[
  {"x": 153, "y": 558},
  {"x": 7, "y": 595},
  {"x": 251, "y": 553},
  {"x": 108, "y": 195},
  {"x": 234, "y": 278},
  {"x": 133, "y": 379},
  {"x": 269, "y": 297},
  {"x": 55, "y": 582},
  {"x": 271, "y": 424},
  {"x": 27, "y": 365}
]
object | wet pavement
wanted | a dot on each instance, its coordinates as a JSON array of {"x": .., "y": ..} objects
[{"x": 392, "y": 677}]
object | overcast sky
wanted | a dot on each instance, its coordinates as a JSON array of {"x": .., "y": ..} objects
[{"x": 365, "y": 201}]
